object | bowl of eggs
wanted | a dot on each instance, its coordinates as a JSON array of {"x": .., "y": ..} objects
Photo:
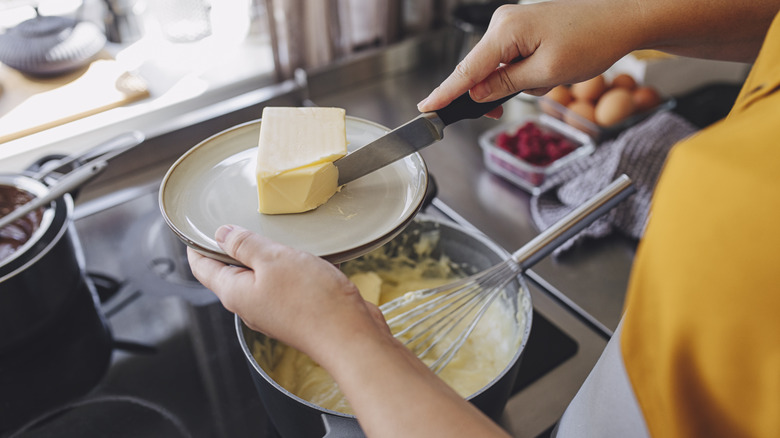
[{"x": 603, "y": 107}]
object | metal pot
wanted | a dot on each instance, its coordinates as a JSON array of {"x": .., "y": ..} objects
[
  {"x": 295, "y": 417},
  {"x": 55, "y": 344},
  {"x": 36, "y": 280}
]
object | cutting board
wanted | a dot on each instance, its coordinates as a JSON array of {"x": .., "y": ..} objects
[{"x": 29, "y": 105}]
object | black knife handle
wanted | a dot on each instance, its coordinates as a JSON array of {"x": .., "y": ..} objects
[{"x": 465, "y": 108}]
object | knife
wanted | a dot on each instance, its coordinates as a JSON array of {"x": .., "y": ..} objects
[{"x": 425, "y": 129}]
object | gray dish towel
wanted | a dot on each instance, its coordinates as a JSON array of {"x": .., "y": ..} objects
[{"x": 639, "y": 152}]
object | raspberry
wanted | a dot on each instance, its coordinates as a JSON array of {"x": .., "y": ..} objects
[
  {"x": 535, "y": 145},
  {"x": 506, "y": 142}
]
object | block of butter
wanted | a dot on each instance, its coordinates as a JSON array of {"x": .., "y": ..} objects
[{"x": 296, "y": 150}]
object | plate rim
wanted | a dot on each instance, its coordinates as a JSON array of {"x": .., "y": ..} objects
[{"x": 336, "y": 257}]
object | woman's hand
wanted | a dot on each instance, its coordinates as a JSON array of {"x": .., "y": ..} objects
[
  {"x": 533, "y": 48},
  {"x": 287, "y": 294},
  {"x": 537, "y": 46}
]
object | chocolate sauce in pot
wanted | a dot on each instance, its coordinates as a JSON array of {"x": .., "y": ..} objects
[{"x": 16, "y": 234}]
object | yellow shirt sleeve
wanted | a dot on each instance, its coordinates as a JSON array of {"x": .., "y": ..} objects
[{"x": 701, "y": 334}]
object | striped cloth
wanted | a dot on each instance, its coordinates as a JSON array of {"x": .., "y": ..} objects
[{"x": 639, "y": 152}]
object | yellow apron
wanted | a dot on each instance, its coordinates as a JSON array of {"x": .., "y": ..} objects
[{"x": 701, "y": 331}]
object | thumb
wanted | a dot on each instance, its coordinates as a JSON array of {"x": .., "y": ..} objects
[{"x": 241, "y": 244}]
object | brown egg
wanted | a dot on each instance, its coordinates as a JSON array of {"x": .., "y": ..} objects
[
  {"x": 590, "y": 90},
  {"x": 578, "y": 110},
  {"x": 560, "y": 95},
  {"x": 614, "y": 106},
  {"x": 624, "y": 80},
  {"x": 646, "y": 98}
]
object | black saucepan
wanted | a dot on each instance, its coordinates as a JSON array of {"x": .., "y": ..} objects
[
  {"x": 42, "y": 263},
  {"x": 36, "y": 279}
]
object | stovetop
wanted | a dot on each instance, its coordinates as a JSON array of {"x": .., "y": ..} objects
[{"x": 177, "y": 369}]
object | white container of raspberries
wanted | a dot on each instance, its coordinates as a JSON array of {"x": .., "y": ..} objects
[{"x": 530, "y": 150}]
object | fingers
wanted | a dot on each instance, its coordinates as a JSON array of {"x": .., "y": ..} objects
[
  {"x": 495, "y": 113},
  {"x": 479, "y": 72},
  {"x": 249, "y": 248},
  {"x": 222, "y": 279},
  {"x": 204, "y": 268},
  {"x": 468, "y": 75},
  {"x": 476, "y": 66},
  {"x": 538, "y": 91},
  {"x": 230, "y": 282}
]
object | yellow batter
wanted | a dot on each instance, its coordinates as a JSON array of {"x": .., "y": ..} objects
[{"x": 390, "y": 272}]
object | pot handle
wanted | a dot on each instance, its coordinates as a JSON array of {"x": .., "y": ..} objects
[
  {"x": 71, "y": 181},
  {"x": 341, "y": 427},
  {"x": 105, "y": 151}
]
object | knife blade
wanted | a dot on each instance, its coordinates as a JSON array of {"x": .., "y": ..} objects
[{"x": 412, "y": 136}]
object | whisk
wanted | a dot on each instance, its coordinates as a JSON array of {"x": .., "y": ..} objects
[{"x": 435, "y": 323}]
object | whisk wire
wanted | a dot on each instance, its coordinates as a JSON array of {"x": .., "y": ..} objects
[
  {"x": 448, "y": 354},
  {"x": 453, "y": 313},
  {"x": 426, "y": 318},
  {"x": 452, "y": 303},
  {"x": 427, "y": 325}
]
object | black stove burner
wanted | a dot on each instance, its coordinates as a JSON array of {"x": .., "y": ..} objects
[
  {"x": 63, "y": 363},
  {"x": 547, "y": 347},
  {"x": 156, "y": 261},
  {"x": 106, "y": 287},
  {"x": 106, "y": 416}
]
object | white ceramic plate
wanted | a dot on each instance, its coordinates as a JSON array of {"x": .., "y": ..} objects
[{"x": 214, "y": 184}]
